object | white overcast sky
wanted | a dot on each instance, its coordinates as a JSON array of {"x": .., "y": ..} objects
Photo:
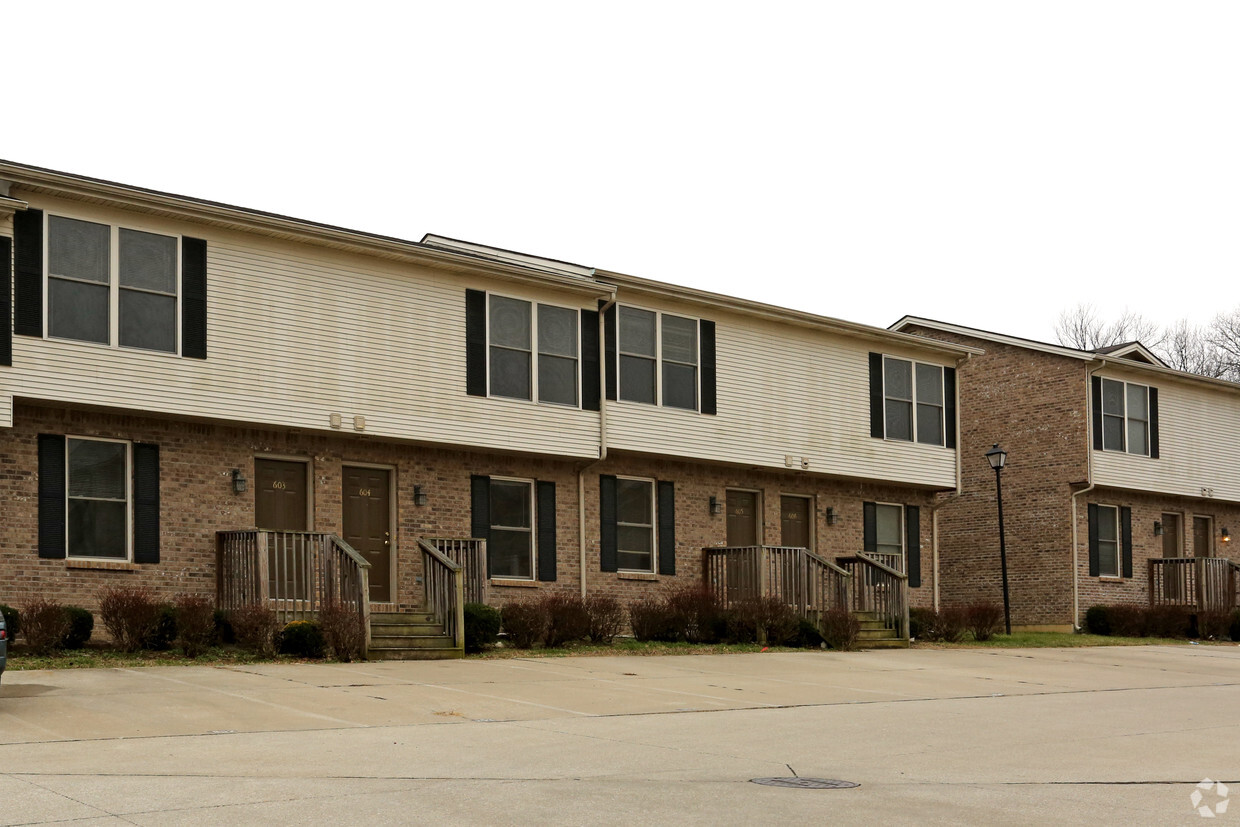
[{"x": 983, "y": 163}]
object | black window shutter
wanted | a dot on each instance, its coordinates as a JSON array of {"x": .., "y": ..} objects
[
  {"x": 6, "y": 300},
  {"x": 51, "y": 496},
  {"x": 145, "y": 503},
  {"x": 1125, "y": 537},
  {"x": 476, "y": 343},
  {"x": 667, "y": 527},
  {"x": 949, "y": 406},
  {"x": 869, "y": 527},
  {"x": 480, "y": 512},
  {"x": 876, "y": 396},
  {"x": 607, "y": 523},
  {"x": 1094, "y": 568},
  {"x": 912, "y": 544},
  {"x": 194, "y": 299},
  {"x": 1096, "y": 402},
  {"x": 28, "y": 273},
  {"x": 706, "y": 341},
  {"x": 545, "y": 499},
  {"x": 1154, "y": 423},
  {"x": 589, "y": 360},
  {"x": 609, "y": 334}
]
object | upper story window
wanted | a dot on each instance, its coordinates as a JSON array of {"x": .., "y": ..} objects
[
  {"x": 913, "y": 401},
  {"x": 1125, "y": 417},
  {"x": 112, "y": 285},
  {"x": 513, "y": 327},
  {"x": 659, "y": 357}
]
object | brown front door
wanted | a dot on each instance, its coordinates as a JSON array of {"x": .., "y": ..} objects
[
  {"x": 1171, "y": 535},
  {"x": 742, "y": 518},
  {"x": 794, "y": 521},
  {"x": 368, "y": 525},
  {"x": 1202, "y": 535},
  {"x": 280, "y": 506}
]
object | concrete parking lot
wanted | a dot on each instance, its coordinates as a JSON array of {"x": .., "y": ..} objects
[{"x": 1083, "y": 736}]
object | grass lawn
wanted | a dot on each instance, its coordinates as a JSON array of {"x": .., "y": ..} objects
[{"x": 1039, "y": 640}]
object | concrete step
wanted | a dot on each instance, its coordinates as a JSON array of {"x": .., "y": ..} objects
[
  {"x": 409, "y": 636},
  {"x": 884, "y": 643},
  {"x": 402, "y": 653}
]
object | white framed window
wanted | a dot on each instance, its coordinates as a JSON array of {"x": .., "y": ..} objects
[
  {"x": 913, "y": 401},
  {"x": 1108, "y": 541},
  {"x": 635, "y": 538},
  {"x": 510, "y": 548},
  {"x": 534, "y": 351},
  {"x": 659, "y": 355},
  {"x": 1125, "y": 417},
  {"x": 889, "y": 531},
  {"x": 99, "y": 498},
  {"x": 112, "y": 285}
]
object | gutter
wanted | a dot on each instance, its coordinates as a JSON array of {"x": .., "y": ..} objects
[
  {"x": 1089, "y": 478},
  {"x": 610, "y": 301},
  {"x": 934, "y": 509}
]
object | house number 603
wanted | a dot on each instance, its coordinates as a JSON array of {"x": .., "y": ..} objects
[
  {"x": 363, "y": 492},
  {"x": 279, "y": 484}
]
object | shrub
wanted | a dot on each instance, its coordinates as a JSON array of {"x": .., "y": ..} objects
[
  {"x": 1235, "y": 625},
  {"x": 1098, "y": 620},
  {"x": 302, "y": 639},
  {"x": 840, "y": 629},
  {"x": 223, "y": 627},
  {"x": 606, "y": 617},
  {"x": 525, "y": 622},
  {"x": 1168, "y": 621},
  {"x": 651, "y": 619},
  {"x": 567, "y": 618},
  {"x": 983, "y": 619},
  {"x": 129, "y": 615},
  {"x": 195, "y": 624},
  {"x": 808, "y": 635},
  {"x": 1213, "y": 625},
  {"x": 951, "y": 624},
  {"x": 12, "y": 620},
  {"x": 81, "y": 624},
  {"x": 481, "y": 626},
  {"x": 345, "y": 633},
  {"x": 1129, "y": 621},
  {"x": 255, "y": 627},
  {"x": 768, "y": 617},
  {"x": 164, "y": 631},
  {"x": 921, "y": 623},
  {"x": 696, "y": 614},
  {"x": 44, "y": 625}
]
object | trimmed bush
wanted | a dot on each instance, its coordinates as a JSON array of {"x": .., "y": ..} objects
[
  {"x": 921, "y": 622},
  {"x": 1131, "y": 621},
  {"x": 44, "y": 625},
  {"x": 606, "y": 617},
  {"x": 255, "y": 627},
  {"x": 651, "y": 619},
  {"x": 808, "y": 636},
  {"x": 525, "y": 622},
  {"x": 12, "y": 620},
  {"x": 481, "y": 627},
  {"x": 1168, "y": 621},
  {"x": 345, "y": 633},
  {"x": 950, "y": 626},
  {"x": 129, "y": 615},
  {"x": 840, "y": 629},
  {"x": 696, "y": 614},
  {"x": 302, "y": 639},
  {"x": 195, "y": 624},
  {"x": 223, "y": 628},
  {"x": 164, "y": 631},
  {"x": 567, "y": 619},
  {"x": 81, "y": 624},
  {"x": 749, "y": 620},
  {"x": 1098, "y": 620},
  {"x": 1213, "y": 625},
  {"x": 983, "y": 619}
]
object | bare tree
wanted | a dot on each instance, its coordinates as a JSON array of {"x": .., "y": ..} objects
[
  {"x": 1224, "y": 337},
  {"x": 1081, "y": 328},
  {"x": 1189, "y": 348}
]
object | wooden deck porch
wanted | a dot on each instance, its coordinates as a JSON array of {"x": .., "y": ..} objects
[{"x": 1201, "y": 584}]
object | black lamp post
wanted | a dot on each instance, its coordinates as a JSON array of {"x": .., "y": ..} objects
[{"x": 997, "y": 458}]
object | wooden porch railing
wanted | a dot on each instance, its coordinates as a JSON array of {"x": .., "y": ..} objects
[
  {"x": 295, "y": 573},
  {"x": 443, "y": 582},
  {"x": 879, "y": 589},
  {"x": 1206, "y": 584},
  {"x": 806, "y": 582},
  {"x": 471, "y": 555}
]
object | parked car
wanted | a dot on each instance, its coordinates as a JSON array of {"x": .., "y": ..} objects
[{"x": 4, "y": 644}]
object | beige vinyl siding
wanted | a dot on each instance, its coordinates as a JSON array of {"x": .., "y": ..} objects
[
  {"x": 784, "y": 391},
  {"x": 298, "y": 333},
  {"x": 1199, "y": 443}
]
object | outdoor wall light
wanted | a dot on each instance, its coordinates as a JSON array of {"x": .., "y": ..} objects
[
  {"x": 419, "y": 496},
  {"x": 832, "y": 517},
  {"x": 1158, "y": 528},
  {"x": 239, "y": 482},
  {"x": 1226, "y": 535},
  {"x": 716, "y": 507}
]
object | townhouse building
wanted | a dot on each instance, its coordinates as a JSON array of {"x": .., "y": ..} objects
[
  {"x": 1118, "y": 488},
  {"x": 185, "y": 384}
]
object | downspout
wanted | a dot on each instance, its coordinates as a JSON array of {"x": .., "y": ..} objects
[
  {"x": 610, "y": 301},
  {"x": 934, "y": 509},
  {"x": 1089, "y": 478}
]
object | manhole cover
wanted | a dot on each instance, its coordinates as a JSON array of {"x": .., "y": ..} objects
[{"x": 806, "y": 783}]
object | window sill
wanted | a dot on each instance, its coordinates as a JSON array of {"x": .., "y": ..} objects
[
  {"x": 637, "y": 575},
  {"x": 1110, "y": 578},
  {"x": 520, "y": 584},
  {"x": 102, "y": 565}
]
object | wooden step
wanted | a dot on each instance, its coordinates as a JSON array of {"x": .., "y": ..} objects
[
  {"x": 402, "y": 653},
  {"x": 409, "y": 636}
]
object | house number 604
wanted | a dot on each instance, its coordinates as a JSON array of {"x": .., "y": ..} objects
[{"x": 363, "y": 492}]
